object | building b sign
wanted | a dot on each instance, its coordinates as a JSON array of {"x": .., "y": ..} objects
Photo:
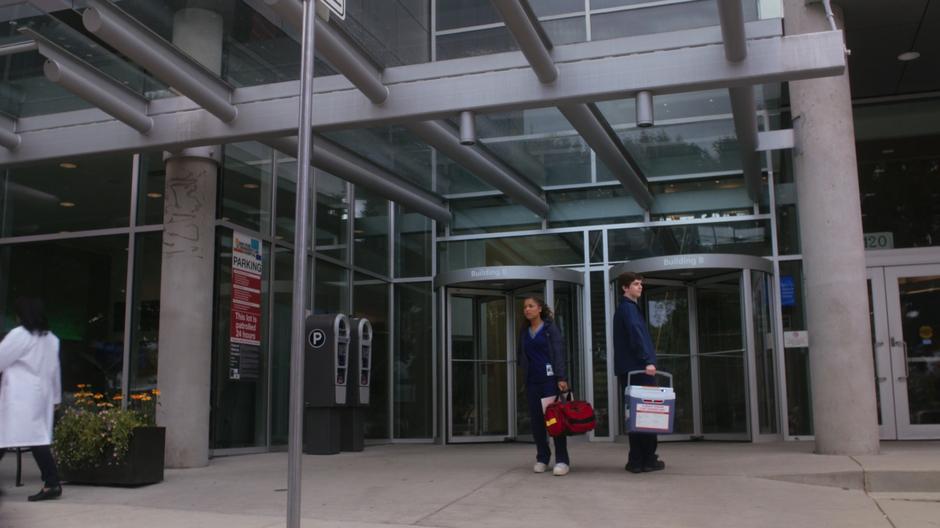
[
  {"x": 337, "y": 7},
  {"x": 245, "y": 314}
]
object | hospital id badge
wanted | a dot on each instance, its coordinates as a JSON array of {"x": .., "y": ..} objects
[{"x": 548, "y": 370}]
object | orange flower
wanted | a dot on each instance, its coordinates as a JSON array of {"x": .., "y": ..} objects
[
  {"x": 98, "y": 396},
  {"x": 156, "y": 392},
  {"x": 118, "y": 397}
]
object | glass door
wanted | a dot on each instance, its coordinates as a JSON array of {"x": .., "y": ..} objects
[
  {"x": 478, "y": 373},
  {"x": 523, "y": 423},
  {"x": 720, "y": 361},
  {"x": 912, "y": 296},
  {"x": 667, "y": 314}
]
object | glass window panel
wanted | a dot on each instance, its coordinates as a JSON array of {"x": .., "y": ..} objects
[
  {"x": 746, "y": 238},
  {"x": 499, "y": 39},
  {"x": 899, "y": 180},
  {"x": 370, "y": 231},
  {"x": 395, "y": 32},
  {"x": 238, "y": 416},
  {"x": 82, "y": 282},
  {"x": 453, "y": 179},
  {"x": 151, "y": 186},
  {"x": 600, "y": 205},
  {"x": 599, "y": 353},
  {"x": 799, "y": 402},
  {"x": 622, "y": 112},
  {"x": 331, "y": 209},
  {"x": 145, "y": 322},
  {"x": 332, "y": 288},
  {"x": 391, "y": 148},
  {"x": 707, "y": 146},
  {"x": 540, "y": 250},
  {"x": 73, "y": 195},
  {"x": 413, "y": 247},
  {"x": 657, "y": 18},
  {"x": 462, "y": 13},
  {"x": 491, "y": 214},
  {"x": 414, "y": 365},
  {"x": 370, "y": 300},
  {"x": 700, "y": 199},
  {"x": 546, "y": 161},
  {"x": 498, "y": 125},
  {"x": 282, "y": 297},
  {"x": 596, "y": 246},
  {"x": 246, "y": 185}
]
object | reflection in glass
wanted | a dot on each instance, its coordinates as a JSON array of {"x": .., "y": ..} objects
[
  {"x": 74, "y": 195},
  {"x": 371, "y": 231},
  {"x": 721, "y": 358},
  {"x": 599, "y": 353},
  {"x": 413, "y": 244},
  {"x": 919, "y": 298},
  {"x": 490, "y": 214},
  {"x": 764, "y": 352},
  {"x": 746, "y": 238},
  {"x": 145, "y": 316},
  {"x": 370, "y": 300},
  {"x": 246, "y": 185},
  {"x": 703, "y": 198},
  {"x": 657, "y": 18},
  {"x": 282, "y": 288},
  {"x": 539, "y": 250},
  {"x": 667, "y": 315},
  {"x": 81, "y": 281},
  {"x": 413, "y": 367},
  {"x": 151, "y": 187},
  {"x": 479, "y": 399}
]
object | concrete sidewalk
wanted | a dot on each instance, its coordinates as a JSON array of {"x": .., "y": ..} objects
[{"x": 720, "y": 485}]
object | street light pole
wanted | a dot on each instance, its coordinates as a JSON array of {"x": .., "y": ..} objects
[{"x": 306, "y": 181}]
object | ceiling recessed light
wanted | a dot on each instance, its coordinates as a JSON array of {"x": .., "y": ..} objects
[
  {"x": 68, "y": 165},
  {"x": 66, "y": 204},
  {"x": 888, "y": 151},
  {"x": 154, "y": 195},
  {"x": 908, "y": 56},
  {"x": 250, "y": 185}
]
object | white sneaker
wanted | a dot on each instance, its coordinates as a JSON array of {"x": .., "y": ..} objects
[
  {"x": 539, "y": 467},
  {"x": 561, "y": 469}
]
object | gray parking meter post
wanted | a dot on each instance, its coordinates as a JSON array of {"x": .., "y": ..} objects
[
  {"x": 357, "y": 390},
  {"x": 326, "y": 375}
]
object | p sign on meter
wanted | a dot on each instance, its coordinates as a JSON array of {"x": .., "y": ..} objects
[{"x": 317, "y": 338}]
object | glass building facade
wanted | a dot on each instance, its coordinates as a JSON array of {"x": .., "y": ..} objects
[{"x": 85, "y": 232}]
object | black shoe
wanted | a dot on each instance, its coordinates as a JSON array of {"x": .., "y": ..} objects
[
  {"x": 46, "y": 494},
  {"x": 656, "y": 465},
  {"x": 633, "y": 468}
]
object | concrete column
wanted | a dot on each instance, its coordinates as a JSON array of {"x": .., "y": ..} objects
[
  {"x": 826, "y": 174},
  {"x": 185, "y": 354}
]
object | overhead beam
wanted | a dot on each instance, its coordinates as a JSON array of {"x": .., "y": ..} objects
[
  {"x": 598, "y": 134},
  {"x": 731, "y": 17},
  {"x": 337, "y": 50},
  {"x": 89, "y": 83},
  {"x": 743, "y": 105},
  {"x": 148, "y": 49},
  {"x": 530, "y": 36},
  {"x": 586, "y": 119},
  {"x": 445, "y": 139},
  {"x": 17, "y": 47},
  {"x": 346, "y": 165},
  {"x": 437, "y": 91},
  {"x": 8, "y": 136}
]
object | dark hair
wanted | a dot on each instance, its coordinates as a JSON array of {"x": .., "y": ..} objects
[
  {"x": 625, "y": 279},
  {"x": 544, "y": 311},
  {"x": 32, "y": 315}
]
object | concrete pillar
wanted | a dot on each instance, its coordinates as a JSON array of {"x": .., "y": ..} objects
[
  {"x": 826, "y": 173},
  {"x": 185, "y": 353}
]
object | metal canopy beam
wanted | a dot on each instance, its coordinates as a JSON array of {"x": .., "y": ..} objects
[
  {"x": 743, "y": 105},
  {"x": 89, "y": 83},
  {"x": 338, "y": 161},
  {"x": 532, "y": 40},
  {"x": 586, "y": 119},
  {"x": 601, "y": 138},
  {"x": 438, "y": 90},
  {"x": 445, "y": 139},
  {"x": 337, "y": 50},
  {"x": 112, "y": 25},
  {"x": 8, "y": 136}
]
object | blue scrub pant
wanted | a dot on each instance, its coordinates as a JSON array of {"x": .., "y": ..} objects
[{"x": 539, "y": 433}]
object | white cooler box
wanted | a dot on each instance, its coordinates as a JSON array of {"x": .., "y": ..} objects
[{"x": 649, "y": 409}]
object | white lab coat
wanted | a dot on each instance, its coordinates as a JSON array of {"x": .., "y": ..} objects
[{"x": 30, "y": 387}]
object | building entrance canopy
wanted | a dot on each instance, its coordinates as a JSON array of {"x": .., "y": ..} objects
[{"x": 216, "y": 109}]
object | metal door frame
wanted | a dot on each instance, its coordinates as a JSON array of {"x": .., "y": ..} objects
[
  {"x": 896, "y": 350},
  {"x": 888, "y": 429}
]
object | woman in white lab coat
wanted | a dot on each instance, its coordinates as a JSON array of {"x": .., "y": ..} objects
[{"x": 30, "y": 388}]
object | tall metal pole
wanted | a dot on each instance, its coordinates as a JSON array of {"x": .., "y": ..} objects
[{"x": 306, "y": 181}]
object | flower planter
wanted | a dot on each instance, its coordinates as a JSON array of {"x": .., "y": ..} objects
[{"x": 142, "y": 465}]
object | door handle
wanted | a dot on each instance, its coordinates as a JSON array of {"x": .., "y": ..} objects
[{"x": 907, "y": 369}]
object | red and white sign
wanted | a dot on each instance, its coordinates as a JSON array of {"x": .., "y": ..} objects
[{"x": 245, "y": 321}]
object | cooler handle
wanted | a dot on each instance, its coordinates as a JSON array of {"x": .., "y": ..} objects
[{"x": 658, "y": 373}]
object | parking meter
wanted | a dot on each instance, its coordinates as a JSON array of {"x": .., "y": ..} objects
[
  {"x": 360, "y": 367},
  {"x": 326, "y": 376}
]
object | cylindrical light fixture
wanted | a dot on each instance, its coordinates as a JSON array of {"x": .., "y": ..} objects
[
  {"x": 468, "y": 128},
  {"x": 644, "y": 109}
]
